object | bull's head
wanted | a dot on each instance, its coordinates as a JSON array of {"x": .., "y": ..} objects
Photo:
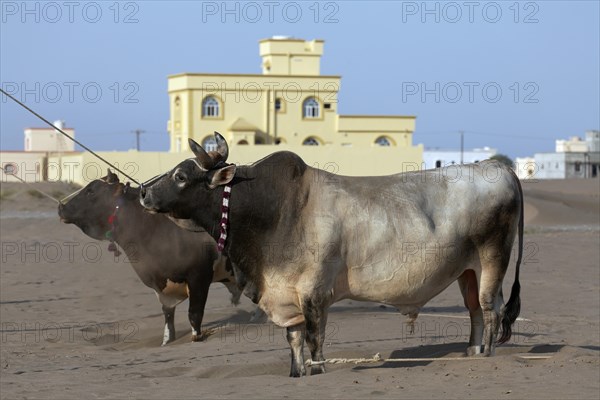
[
  {"x": 189, "y": 186},
  {"x": 90, "y": 207}
]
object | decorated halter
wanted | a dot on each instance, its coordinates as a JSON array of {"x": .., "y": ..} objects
[
  {"x": 114, "y": 222},
  {"x": 224, "y": 218}
]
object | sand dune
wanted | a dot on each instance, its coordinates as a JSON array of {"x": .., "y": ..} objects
[
  {"x": 82, "y": 325},
  {"x": 562, "y": 202}
]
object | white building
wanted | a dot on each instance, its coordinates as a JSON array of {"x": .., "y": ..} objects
[
  {"x": 31, "y": 165},
  {"x": 573, "y": 158},
  {"x": 48, "y": 139},
  {"x": 436, "y": 158}
]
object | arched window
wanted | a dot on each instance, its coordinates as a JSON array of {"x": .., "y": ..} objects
[
  {"x": 10, "y": 168},
  {"x": 209, "y": 143},
  {"x": 310, "y": 108},
  {"x": 177, "y": 101},
  {"x": 243, "y": 141},
  {"x": 438, "y": 164},
  {"x": 310, "y": 141},
  {"x": 210, "y": 107},
  {"x": 383, "y": 141}
]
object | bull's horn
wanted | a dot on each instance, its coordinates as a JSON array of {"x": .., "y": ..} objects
[
  {"x": 222, "y": 147},
  {"x": 205, "y": 160}
]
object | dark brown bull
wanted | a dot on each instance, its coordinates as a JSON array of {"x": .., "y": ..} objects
[{"x": 176, "y": 263}]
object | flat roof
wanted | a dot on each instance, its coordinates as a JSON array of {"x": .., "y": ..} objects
[
  {"x": 379, "y": 116},
  {"x": 48, "y": 128},
  {"x": 252, "y": 75}
]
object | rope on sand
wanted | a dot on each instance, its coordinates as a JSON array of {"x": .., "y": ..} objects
[{"x": 377, "y": 359}]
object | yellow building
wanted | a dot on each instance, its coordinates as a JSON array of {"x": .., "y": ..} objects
[
  {"x": 290, "y": 106},
  {"x": 289, "y": 103}
]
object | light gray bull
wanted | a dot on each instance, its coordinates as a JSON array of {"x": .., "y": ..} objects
[{"x": 354, "y": 238}]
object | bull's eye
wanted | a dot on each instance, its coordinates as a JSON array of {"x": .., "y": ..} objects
[{"x": 179, "y": 177}]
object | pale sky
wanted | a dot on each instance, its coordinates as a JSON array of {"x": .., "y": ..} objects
[{"x": 513, "y": 75}]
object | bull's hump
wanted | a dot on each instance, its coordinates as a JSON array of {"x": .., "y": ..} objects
[{"x": 284, "y": 164}]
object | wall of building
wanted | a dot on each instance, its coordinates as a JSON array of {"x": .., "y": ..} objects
[
  {"x": 550, "y": 166},
  {"x": 252, "y": 97},
  {"x": 449, "y": 157},
  {"x": 84, "y": 167},
  {"x": 29, "y": 166},
  {"x": 526, "y": 168},
  {"x": 48, "y": 139}
]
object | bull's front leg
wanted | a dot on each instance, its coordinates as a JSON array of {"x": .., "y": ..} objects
[
  {"x": 295, "y": 337},
  {"x": 198, "y": 293}
]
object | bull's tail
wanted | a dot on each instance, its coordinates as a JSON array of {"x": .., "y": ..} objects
[{"x": 513, "y": 306}]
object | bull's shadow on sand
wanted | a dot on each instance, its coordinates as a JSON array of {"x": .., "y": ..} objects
[{"x": 454, "y": 350}]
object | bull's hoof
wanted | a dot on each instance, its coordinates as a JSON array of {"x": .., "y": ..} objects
[
  {"x": 297, "y": 372},
  {"x": 196, "y": 338},
  {"x": 473, "y": 351}
]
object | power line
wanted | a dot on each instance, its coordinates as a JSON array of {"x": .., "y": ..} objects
[{"x": 137, "y": 132}]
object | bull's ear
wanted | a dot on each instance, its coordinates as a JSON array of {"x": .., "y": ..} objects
[
  {"x": 111, "y": 177},
  {"x": 222, "y": 147},
  {"x": 201, "y": 154},
  {"x": 222, "y": 176}
]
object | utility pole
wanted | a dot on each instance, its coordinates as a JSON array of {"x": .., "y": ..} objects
[
  {"x": 462, "y": 145},
  {"x": 137, "y": 132}
]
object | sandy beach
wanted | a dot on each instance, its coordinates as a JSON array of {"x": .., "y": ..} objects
[{"x": 76, "y": 322}]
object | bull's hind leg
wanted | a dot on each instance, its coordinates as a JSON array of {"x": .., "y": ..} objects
[
  {"x": 295, "y": 337},
  {"x": 315, "y": 315},
  {"x": 169, "y": 333},
  {"x": 468, "y": 287},
  {"x": 494, "y": 262},
  {"x": 168, "y": 307}
]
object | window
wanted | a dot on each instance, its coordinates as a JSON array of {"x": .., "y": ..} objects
[
  {"x": 438, "y": 164},
  {"x": 383, "y": 141},
  {"x": 243, "y": 141},
  {"x": 577, "y": 166},
  {"x": 10, "y": 168},
  {"x": 327, "y": 106},
  {"x": 209, "y": 143},
  {"x": 280, "y": 105},
  {"x": 310, "y": 141},
  {"x": 210, "y": 107},
  {"x": 177, "y": 101},
  {"x": 310, "y": 108}
]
